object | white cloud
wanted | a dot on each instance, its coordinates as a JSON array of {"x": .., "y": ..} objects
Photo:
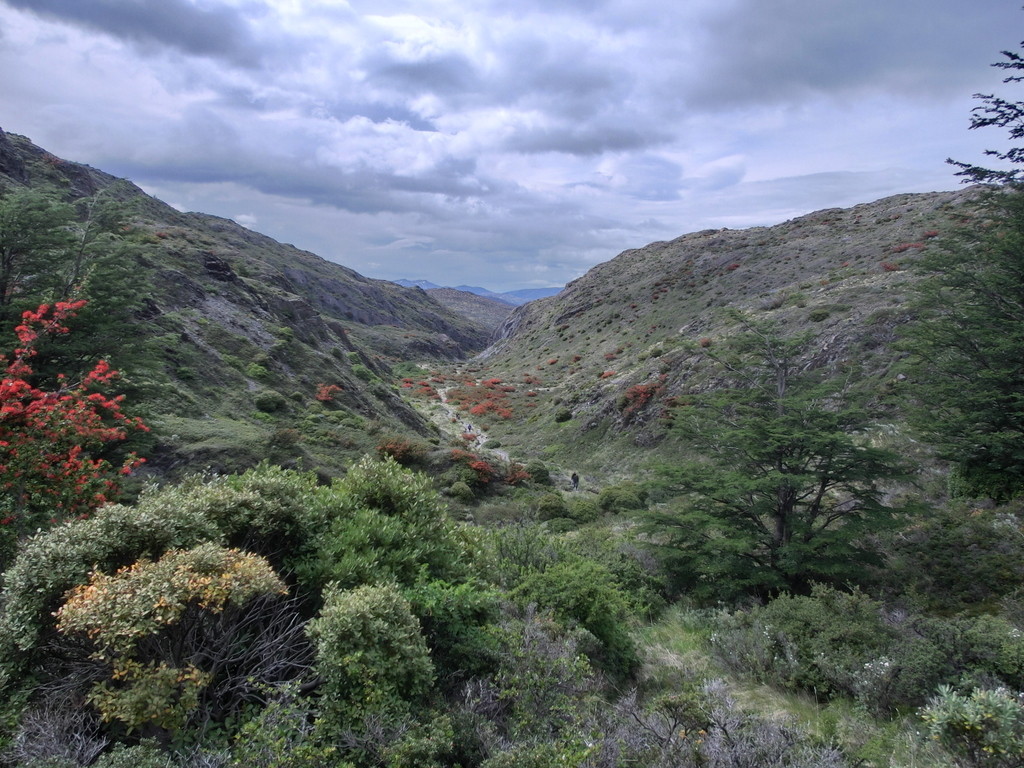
[{"x": 495, "y": 144}]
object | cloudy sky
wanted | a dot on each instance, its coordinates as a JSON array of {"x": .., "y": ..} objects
[{"x": 506, "y": 144}]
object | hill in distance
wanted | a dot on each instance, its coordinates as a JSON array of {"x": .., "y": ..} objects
[{"x": 514, "y": 298}]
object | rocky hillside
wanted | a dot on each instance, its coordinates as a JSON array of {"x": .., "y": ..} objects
[
  {"x": 604, "y": 362},
  {"x": 262, "y": 350},
  {"x": 484, "y": 311}
]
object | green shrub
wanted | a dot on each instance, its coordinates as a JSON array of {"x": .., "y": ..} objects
[
  {"x": 552, "y": 505},
  {"x": 460, "y": 491},
  {"x": 563, "y": 415},
  {"x": 585, "y": 592},
  {"x": 270, "y": 401},
  {"x": 384, "y": 523},
  {"x": 454, "y": 619},
  {"x": 363, "y": 373},
  {"x": 927, "y": 560},
  {"x": 370, "y": 653},
  {"x": 816, "y": 643},
  {"x": 558, "y": 525},
  {"x": 145, "y": 755},
  {"x": 583, "y": 510},
  {"x": 626, "y": 497},
  {"x": 256, "y": 371},
  {"x": 425, "y": 745},
  {"x": 538, "y": 472},
  {"x": 542, "y": 682},
  {"x": 281, "y": 736},
  {"x": 546, "y": 755},
  {"x": 516, "y": 551},
  {"x": 984, "y": 728}
]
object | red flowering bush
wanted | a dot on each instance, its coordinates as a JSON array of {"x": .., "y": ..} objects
[
  {"x": 402, "y": 450},
  {"x": 517, "y": 474},
  {"x": 484, "y": 471},
  {"x": 325, "y": 392},
  {"x": 888, "y": 266},
  {"x": 48, "y": 437},
  {"x": 637, "y": 396},
  {"x": 906, "y": 247}
]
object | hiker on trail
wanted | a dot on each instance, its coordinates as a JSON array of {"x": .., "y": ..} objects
[{"x": 575, "y": 481}]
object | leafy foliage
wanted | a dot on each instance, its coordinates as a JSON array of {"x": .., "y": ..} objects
[
  {"x": 50, "y": 439},
  {"x": 985, "y": 727},
  {"x": 370, "y": 653},
  {"x": 119, "y": 613},
  {"x": 384, "y": 524},
  {"x": 786, "y": 491},
  {"x": 966, "y": 377},
  {"x": 999, "y": 113},
  {"x": 583, "y": 591}
]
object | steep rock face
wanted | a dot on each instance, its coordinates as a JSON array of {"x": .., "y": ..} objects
[{"x": 642, "y": 318}]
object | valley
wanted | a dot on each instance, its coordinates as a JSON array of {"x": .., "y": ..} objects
[{"x": 353, "y": 539}]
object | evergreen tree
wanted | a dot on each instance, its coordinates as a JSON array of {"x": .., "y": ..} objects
[
  {"x": 36, "y": 244},
  {"x": 966, "y": 385},
  {"x": 785, "y": 489},
  {"x": 967, "y": 347},
  {"x": 1001, "y": 113}
]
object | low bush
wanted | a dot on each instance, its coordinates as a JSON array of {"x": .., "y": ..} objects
[
  {"x": 625, "y": 497},
  {"x": 455, "y": 620},
  {"x": 983, "y": 728},
  {"x": 552, "y": 505},
  {"x": 371, "y": 655},
  {"x": 586, "y": 593},
  {"x": 383, "y": 523},
  {"x": 927, "y": 560}
]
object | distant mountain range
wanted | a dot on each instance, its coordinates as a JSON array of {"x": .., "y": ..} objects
[{"x": 514, "y": 298}]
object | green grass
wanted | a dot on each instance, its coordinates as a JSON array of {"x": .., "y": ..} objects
[{"x": 677, "y": 654}]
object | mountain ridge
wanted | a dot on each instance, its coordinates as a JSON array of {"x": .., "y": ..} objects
[
  {"x": 246, "y": 331},
  {"x": 515, "y": 298}
]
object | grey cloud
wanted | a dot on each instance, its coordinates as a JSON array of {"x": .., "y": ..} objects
[
  {"x": 583, "y": 140},
  {"x": 782, "y": 51},
  {"x": 652, "y": 178},
  {"x": 205, "y": 150},
  {"x": 570, "y": 79},
  {"x": 440, "y": 74},
  {"x": 214, "y": 32}
]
